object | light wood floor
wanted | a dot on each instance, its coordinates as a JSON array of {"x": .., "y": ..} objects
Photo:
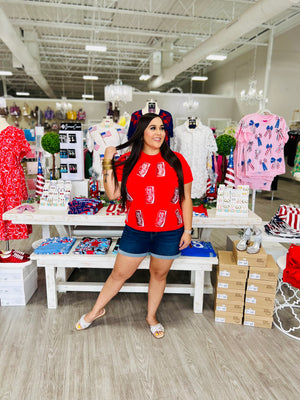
[{"x": 43, "y": 357}]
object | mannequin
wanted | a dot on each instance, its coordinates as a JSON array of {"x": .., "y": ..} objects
[
  {"x": 3, "y": 124},
  {"x": 151, "y": 107}
]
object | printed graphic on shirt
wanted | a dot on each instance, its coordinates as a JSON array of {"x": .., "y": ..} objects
[
  {"x": 161, "y": 218},
  {"x": 106, "y": 134},
  {"x": 139, "y": 218},
  {"x": 160, "y": 169},
  {"x": 179, "y": 217},
  {"x": 149, "y": 194},
  {"x": 142, "y": 171},
  {"x": 175, "y": 197}
]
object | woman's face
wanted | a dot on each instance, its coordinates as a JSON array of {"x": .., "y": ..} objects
[{"x": 154, "y": 136}]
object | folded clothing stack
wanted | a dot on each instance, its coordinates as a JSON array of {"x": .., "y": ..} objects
[
  {"x": 285, "y": 223},
  {"x": 82, "y": 205},
  {"x": 55, "y": 245},
  {"x": 93, "y": 246}
]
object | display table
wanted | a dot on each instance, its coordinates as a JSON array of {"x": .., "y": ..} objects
[{"x": 65, "y": 224}]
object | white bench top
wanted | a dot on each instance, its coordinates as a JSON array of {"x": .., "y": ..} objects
[{"x": 71, "y": 260}]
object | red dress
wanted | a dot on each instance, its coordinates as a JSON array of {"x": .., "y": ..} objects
[{"x": 13, "y": 147}]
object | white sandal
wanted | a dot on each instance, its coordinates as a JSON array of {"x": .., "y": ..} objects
[
  {"x": 82, "y": 324},
  {"x": 158, "y": 331}
]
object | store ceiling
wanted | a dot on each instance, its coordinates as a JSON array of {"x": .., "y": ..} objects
[{"x": 46, "y": 48}]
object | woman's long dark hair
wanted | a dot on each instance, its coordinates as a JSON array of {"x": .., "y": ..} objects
[{"x": 136, "y": 142}]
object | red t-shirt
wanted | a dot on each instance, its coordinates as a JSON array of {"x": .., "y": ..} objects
[{"x": 153, "y": 195}]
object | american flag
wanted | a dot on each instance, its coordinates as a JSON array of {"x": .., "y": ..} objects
[
  {"x": 229, "y": 176},
  {"x": 40, "y": 181}
]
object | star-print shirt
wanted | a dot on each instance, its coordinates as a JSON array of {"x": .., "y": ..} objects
[
  {"x": 164, "y": 115},
  {"x": 153, "y": 203},
  {"x": 259, "y": 153}
]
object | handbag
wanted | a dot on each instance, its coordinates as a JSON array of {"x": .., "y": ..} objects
[
  {"x": 49, "y": 114},
  {"x": 26, "y": 111},
  {"x": 14, "y": 110},
  {"x": 4, "y": 111},
  {"x": 81, "y": 115},
  {"x": 291, "y": 273},
  {"x": 71, "y": 115}
]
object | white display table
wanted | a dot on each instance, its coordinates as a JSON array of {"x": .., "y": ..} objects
[{"x": 65, "y": 224}]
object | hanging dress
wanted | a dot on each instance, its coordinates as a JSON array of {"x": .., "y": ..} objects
[{"x": 13, "y": 147}]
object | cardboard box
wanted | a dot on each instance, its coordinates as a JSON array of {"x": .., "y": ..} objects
[
  {"x": 260, "y": 299},
  {"x": 258, "y": 321},
  {"x": 236, "y": 307},
  {"x": 228, "y": 317},
  {"x": 253, "y": 309},
  {"x": 227, "y": 283},
  {"x": 228, "y": 268},
  {"x": 230, "y": 295},
  {"x": 256, "y": 285},
  {"x": 254, "y": 260},
  {"x": 267, "y": 273}
]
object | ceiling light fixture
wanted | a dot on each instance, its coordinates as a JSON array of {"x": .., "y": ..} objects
[
  {"x": 199, "y": 78},
  {"x": 144, "y": 77},
  {"x": 90, "y": 77},
  {"x": 88, "y": 96},
  {"x": 95, "y": 48},
  {"x": 22, "y": 93},
  {"x": 5, "y": 73},
  {"x": 216, "y": 57}
]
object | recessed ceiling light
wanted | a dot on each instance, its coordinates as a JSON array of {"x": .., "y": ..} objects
[
  {"x": 154, "y": 91},
  {"x": 87, "y": 96},
  {"x": 90, "y": 77},
  {"x": 199, "y": 78},
  {"x": 144, "y": 77},
  {"x": 216, "y": 57},
  {"x": 22, "y": 93},
  {"x": 89, "y": 47},
  {"x": 5, "y": 73}
]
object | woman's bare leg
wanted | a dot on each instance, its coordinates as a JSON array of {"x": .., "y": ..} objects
[
  {"x": 123, "y": 269},
  {"x": 159, "y": 269}
]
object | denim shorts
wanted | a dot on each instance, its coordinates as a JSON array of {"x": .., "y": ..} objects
[{"x": 135, "y": 243}]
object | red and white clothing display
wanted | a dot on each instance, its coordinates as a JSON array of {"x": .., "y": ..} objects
[
  {"x": 259, "y": 152},
  {"x": 98, "y": 138},
  {"x": 153, "y": 202},
  {"x": 13, "y": 147},
  {"x": 196, "y": 145}
]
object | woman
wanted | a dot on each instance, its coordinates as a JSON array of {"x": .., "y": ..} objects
[{"x": 155, "y": 185}]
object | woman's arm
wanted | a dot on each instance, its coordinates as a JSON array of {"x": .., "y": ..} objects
[
  {"x": 187, "y": 212},
  {"x": 112, "y": 190}
]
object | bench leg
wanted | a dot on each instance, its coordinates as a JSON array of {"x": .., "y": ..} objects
[
  {"x": 199, "y": 292},
  {"x": 51, "y": 287}
]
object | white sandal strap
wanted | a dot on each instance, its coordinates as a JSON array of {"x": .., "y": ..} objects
[{"x": 156, "y": 328}]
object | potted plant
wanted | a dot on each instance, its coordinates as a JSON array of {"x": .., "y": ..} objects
[
  {"x": 50, "y": 143},
  {"x": 225, "y": 143}
]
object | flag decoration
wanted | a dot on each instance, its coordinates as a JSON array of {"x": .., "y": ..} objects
[
  {"x": 40, "y": 180},
  {"x": 229, "y": 176}
]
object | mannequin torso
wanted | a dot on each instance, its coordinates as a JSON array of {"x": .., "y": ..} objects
[{"x": 3, "y": 123}]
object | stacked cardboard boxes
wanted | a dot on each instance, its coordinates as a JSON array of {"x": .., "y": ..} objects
[
  {"x": 260, "y": 294},
  {"x": 229, "y": 289},
  {"x": 245, "y": 288}
]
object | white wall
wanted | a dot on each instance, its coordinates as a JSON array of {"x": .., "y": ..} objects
[
  {"x": 210, "y": 106},
  {"x": 284, "y": 85}
]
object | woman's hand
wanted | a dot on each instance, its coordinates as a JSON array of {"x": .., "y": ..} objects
[
  {"x": 185, "y": 240},
  {"x": 109, "y": 153}
]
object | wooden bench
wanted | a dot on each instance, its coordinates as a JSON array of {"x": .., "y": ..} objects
[{"x": 54, "y": 284}]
